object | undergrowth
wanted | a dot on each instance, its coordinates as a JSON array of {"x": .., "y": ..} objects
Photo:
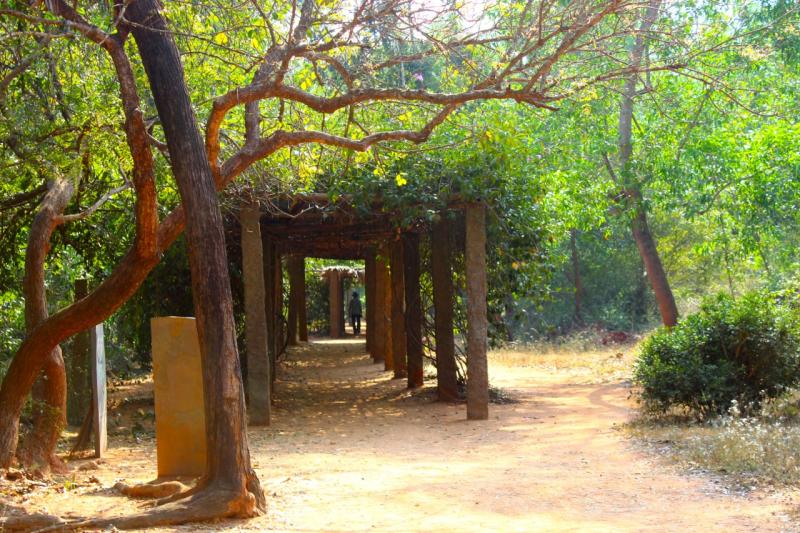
[{"x": 746, "y": 450}]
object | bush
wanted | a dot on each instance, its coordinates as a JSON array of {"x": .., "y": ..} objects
[{"x": 747, "y": 350}]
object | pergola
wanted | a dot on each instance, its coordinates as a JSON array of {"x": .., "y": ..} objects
[{"x": 313, "y": 226}]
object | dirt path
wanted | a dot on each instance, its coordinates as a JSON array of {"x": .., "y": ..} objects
[{"x": 352, "y": 450}]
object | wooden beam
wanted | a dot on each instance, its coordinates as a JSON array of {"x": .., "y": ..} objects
[
  {"x": 413, "y": 310},
  {"x": 477, "y": 322}
]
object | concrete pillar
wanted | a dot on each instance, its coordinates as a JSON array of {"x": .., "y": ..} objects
[
  {"x": 302, "y": 326},
  {"x": 477, "y": 321},
  {"x": 413, "y": 317},
  {"x": 79, "y": 389},
  {"x": 295, "y": 267},
  {"x": 385, "y": 307},
  {"x": 270, "y": 314},
  {"x": 398, "y": 318},
  {"x": 256, "y": 354},
  {"x": 335, "y": 304},
  {"x": 179, "y": 405},
  {"x": 369, "y": 294},
  {"x": 443, "y": 302}
]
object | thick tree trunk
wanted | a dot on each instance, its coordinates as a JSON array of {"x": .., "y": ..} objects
[
  {"x": 398, "y": 319},
  {"x": 413, "y": 317},
  {"x": 228, "y": 469},
  {"x": 477, "y": 322},
  {"x": 50, "y": 391},
  {"x": 639, "y": 227},
  {"x": 258, "y": 368},
  {"x": 443, "y": 301},
  {"x": 577, "y": 282},
  {"x": 295, "y": 266}
]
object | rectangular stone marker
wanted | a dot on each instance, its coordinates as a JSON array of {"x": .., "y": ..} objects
[
  {"x": 98, "y": 359},
  {"x": 178, "y": 380}
]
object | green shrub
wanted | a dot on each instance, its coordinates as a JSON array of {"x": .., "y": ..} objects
[{"x": 746, "y": 350}]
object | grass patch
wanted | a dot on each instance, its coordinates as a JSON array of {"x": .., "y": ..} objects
[
  {"x": 746, "y": 450},
  {"x": 581, "y": 355}
]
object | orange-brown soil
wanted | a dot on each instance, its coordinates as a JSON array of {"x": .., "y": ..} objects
[{"x": 351, "y": 449}]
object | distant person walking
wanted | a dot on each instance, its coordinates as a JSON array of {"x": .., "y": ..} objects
[{"x": 354, "y": 308}]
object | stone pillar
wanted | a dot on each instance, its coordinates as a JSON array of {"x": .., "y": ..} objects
[
  {"x": 398, "y": 318},
  {"x": 477, "y": 322},
  {"x": 79, "y": 389},
  {"x": 302, "y": 320},
  {"x": 443, "y": 302},
  {"x": 179, "y": 404},
  {"x": 335, "y": 303},
  {"x": 99, "y": 410},
  {"x": 385, "y": 310},
  {"x": 413, "y": 316},
  {"x": 295, "y": 267},
  {"x": 268, "y": 250},
  {"x": 369, "y": 294},
  {"x": 256, "y": 354},
  {"x": 376, "y": 324}
]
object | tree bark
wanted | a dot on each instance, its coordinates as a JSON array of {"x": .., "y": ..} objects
[
  {"x": 50, "y": 391},
  {"x": 258, "y": 368},
  {"x": 477, "y": 322},
  {"x": 398, "y": 319},
  {"x": 413, "y": 316},
  {"x": 639, "y": 226},
  {"x": 228, "y": 468},
  {"x": 443, "y": 301}
]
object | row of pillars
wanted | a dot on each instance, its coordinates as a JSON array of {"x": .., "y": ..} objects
[{"x": 393, "y": 309}]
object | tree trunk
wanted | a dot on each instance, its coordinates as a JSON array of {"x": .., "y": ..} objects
[
  {"x": 652, "y": 264},
  {"x": 413, "y": 317},
  {"x": 257, "y": 356},
  {"x": 639, "y": 227},
  {"x": 477, "y": 322},
  {"x": 577, "y": 316},
  {"x": 50, "y": 391},
  {"x": 398, "y": 320},
  {"x": 228, "y": 470},
  {"x": 443, "y": 301}
]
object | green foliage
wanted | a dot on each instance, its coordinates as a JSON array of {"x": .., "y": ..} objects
[{"x": 745, "y": 351}]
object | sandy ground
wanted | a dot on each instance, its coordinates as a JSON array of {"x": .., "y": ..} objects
[{"x": 352, "y": 450}]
